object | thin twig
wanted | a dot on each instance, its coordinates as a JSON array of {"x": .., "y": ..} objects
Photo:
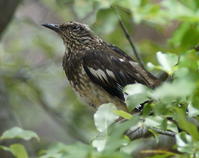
[
  {"x": 162, "y": 132},
  {"x": 142, "y": 132},
  {"x": 129, "y": 38}
]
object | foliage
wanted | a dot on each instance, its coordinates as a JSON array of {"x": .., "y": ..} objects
[
  {"x": 18, "y": 150},
  {"x": 177, "y": 99}
]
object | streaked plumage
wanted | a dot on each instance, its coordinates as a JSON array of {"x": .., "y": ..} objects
[{"x": 98, "y": 71}]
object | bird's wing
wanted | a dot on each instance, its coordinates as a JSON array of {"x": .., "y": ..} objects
[{"x": 112, "y": 70}]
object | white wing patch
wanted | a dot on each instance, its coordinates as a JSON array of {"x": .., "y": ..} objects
[
  {"x": 98, "y": 73},
  {"x": 120, "y": 59},
  {"x": 110, "y": 73}
]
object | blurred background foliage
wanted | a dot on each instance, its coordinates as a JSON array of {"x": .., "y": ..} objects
[{"x": 34, "y": 93}]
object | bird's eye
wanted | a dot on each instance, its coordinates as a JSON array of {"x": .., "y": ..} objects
[{"x": 77, "y": 28}]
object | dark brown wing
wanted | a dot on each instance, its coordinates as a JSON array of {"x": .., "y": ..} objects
[{"x": 112, "y": 70}]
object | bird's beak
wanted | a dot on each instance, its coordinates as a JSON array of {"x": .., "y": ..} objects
[{"x": 54, "y": 27}]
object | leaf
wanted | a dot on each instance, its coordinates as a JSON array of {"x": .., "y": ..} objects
[
  {"x": 137, "y": 94},
  {"x": 180, "y": 88},
  {"x": 184, "y": 141},
  {"x": 104, "y": 116},
  {"x": 17, "y": 132},
  {"x": 134, "y": 101},
  {"x": 17, "y": 150},
  {"x": 54, "y": 152},
  {"x": 116, "y": 137},
  {"x": 133, "y": 146},
  {"x": 160, "y": 123},
  {"x": 192, "y": 4},
  {"x": 123, "y": 114},
  {"x": 153, "y": 121},
  {"x": 150, "y": 65},
  {"x": 182, "y": 12},
  {"x": 135, "y": 89},
  {"x": 186, "y": 36},
  {"x": 186, "y": 125},
  {"x": 179, "y": 34},
  {"x": 99, "y": 143},
  {"x": 167, "y": 61},
  {"x": 77, "y": 150},
  {"x": 155, "y": 134},
  {"x": 5, "y": 148},
  {"x": 183, "y": 138},
  {"x": 192, "y": 111}
]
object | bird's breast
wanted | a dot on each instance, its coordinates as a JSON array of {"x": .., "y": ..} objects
[{"x": 91, "y": 93}]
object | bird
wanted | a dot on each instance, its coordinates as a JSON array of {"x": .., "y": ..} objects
[{"x": 97, "y": 70}]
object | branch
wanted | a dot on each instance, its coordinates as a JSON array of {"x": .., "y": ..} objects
[
  {"x": 143, "y": 132},
  {"x": 129, "y": 39}
]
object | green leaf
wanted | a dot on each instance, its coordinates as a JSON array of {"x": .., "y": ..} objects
[
  {"x": 192, "y": 4},
  {"x": 137, "y": 94},
  {"x": 179, "y": 34},
  {"x": 123, "y": 114},
  {"x": 160, "y": 123},
  {"x": 182, "y": 12},
  {"x": 186, "y": 36},
  {"x": 105, "y": 116},
  {"x": 77, "y": 150},
  {"x": 99, "y": 143},
  {"x": 135, "y": 89},
  {"x": 184, "y": 142},
  {"x": 189, "y": 127},
  {"x": 153, "y": 121},
  {"x": 133, "y": 146},
  {"x": 180, "y": 88},
  {"x": 17, "y": 150},
  {"x": 5, "y": 148},
  {"x": 155, "y": 134},
  {"x": 192, "y": 111},
  {"x": 167, "y": 61},
  {"x": 17, "y": 132},
  {"x": 134, "y": 101},
  {"x": 116, "y": 132}
]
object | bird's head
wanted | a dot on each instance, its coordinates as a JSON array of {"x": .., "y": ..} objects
[{"x": 74, "y": 34}]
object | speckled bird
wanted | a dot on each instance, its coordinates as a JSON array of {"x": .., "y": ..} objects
[{"x": 96, "y": 70}]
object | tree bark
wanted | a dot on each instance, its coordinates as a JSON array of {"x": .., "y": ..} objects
[{"x": 7, "y": 10}]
